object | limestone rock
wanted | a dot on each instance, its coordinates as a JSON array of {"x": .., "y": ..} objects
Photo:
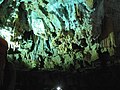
[{"x": 55, "y": 33}]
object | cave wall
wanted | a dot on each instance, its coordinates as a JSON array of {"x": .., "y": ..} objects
[
  {"x": 114, "y": 13},
  {"x": 55, "y": 34}
]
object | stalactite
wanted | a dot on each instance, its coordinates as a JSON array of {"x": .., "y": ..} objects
[
  {"x": 61, "y": 31},
  {"x": 107, "y": 36}
]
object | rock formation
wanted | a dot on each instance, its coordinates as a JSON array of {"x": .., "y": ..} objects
[{"x": 54, "y": 34}]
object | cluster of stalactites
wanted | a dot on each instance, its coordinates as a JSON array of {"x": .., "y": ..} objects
[{"x": 56, "y": 33}]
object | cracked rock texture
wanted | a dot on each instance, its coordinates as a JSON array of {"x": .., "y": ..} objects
[{"x": 54, "y": 34}]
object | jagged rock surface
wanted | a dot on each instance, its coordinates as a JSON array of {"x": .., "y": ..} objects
[{"x": 51, "y": 34}]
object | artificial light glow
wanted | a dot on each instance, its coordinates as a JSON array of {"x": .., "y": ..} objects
[
  {"x": 1, "y": 1},
  {"x": 59, "y": 88},
  {"x": 7, "y": 34}
]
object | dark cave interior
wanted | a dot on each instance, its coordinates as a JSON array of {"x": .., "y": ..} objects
[{"x": 60, "y": 44}]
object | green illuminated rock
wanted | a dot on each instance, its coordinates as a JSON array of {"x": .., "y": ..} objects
[{"x": 50, "y": 32}]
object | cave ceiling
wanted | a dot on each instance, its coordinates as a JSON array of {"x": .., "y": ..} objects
[{"x": 51, "y": 33}]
